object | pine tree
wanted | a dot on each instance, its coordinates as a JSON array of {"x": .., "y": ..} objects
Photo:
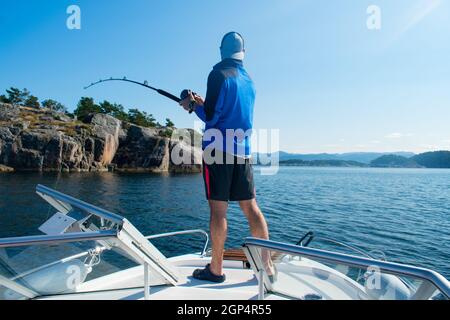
[
  {"x": 17, "y": 96},
  {"x": 169, "y": 123},
  {"x": 85, "y": 107},
  {"x": 54, "y": 105},
  {"x": 32, "y": 102},
  {"x": 141, "y": 118}
]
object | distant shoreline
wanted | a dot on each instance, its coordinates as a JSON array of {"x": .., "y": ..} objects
[
  {"x": 42, "y": 139},
  {"x": 431, "y": 160},
  {"x": 354, "y": 167}
]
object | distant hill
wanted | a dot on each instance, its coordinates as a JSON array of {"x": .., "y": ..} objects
[
  {"x": 362, "y": 157},
  {"x": 394, "y": 161},
  {"x": 436, "y": 159},
  {"x": 321, "y": 163}
]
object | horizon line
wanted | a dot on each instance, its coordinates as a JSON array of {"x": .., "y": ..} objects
[{"x": 348, "y": 152}]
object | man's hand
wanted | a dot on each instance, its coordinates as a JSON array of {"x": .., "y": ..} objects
[{"x": 198, "y": 101}]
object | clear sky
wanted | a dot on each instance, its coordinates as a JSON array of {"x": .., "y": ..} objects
[{"x": 323, "y": 78}]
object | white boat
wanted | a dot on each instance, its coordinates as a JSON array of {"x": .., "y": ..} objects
[{"x": 88, "y": 253}]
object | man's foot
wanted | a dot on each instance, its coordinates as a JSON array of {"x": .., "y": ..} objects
[
  {"x": 272, "y": 272},
  {"x": 206, "y": 275}
]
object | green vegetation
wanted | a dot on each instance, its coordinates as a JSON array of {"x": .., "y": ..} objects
[
  {"x": 19, "y": 97},
  {"x": 321, "y": 163},
  {"x": 16, "y": 96},
  {"x": 88, "y": 106},
  {"x": 141, "y": 118},
  {"x": 437, "y": 159},
  {"x": 85, "y": 107},
  {"x": 24, "y": 98},
  {"x": 32, "y": 102},
  {"x": 54, "y": 105},
  {"x": 394, "y": 161},
  {"x": 167, "y": 133},
  {"x": 169, "y": 123},
  {"x": 114, "y": 109}
]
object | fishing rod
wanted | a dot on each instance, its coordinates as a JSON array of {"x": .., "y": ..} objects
[{"x": 184, "y": 94}]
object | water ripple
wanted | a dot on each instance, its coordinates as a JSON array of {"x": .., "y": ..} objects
[{"x": 404, "y": 213}]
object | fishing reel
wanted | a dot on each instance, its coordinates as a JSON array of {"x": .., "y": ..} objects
[{"x": 184, "y": 94}]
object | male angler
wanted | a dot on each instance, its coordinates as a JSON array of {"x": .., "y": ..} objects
[{"x": 227, "y": 168}]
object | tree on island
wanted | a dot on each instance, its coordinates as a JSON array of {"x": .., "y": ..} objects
[
  {"x": 86, "y": 106},
  {"x": 16, "y": 96},
  {"x": 141, "y": 118},
  {"x": 24, "y": 98},
  {"x": 114, "y": 109},
  {"x": 32, "y": 102},
  {"x": 54, "y": 105},
  {"x": 169, "y": 123}
]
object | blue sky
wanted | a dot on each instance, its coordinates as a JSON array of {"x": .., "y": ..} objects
[{"x": 326, "y": 81}]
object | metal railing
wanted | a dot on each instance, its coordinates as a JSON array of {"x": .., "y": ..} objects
[
  {"x": 46, "y": 240},
  {"x": 176, "y": 233},
  {"x": 310, "y": 236},
  {"x": 56, "y": 239},
  {"x": 62, "y": 200},
  {"x": 433, "y": 277}
]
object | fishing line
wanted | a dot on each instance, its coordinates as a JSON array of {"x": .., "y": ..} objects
[{"x": 184, "y": 94}]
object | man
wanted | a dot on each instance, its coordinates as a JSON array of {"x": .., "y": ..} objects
[{"x": 228, "y": 106}]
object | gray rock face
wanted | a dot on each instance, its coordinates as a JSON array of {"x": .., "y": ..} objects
[
  {"x": 145, "y": 150},
  {"x": 45, "y": 140},
  {"x": 105, "y": 130},
  {"x": 185, "y": 156},
  {"x": 50, "y": 146},
  {"x": 142, "y": 149},
  {"x": 8, "y": 112}
]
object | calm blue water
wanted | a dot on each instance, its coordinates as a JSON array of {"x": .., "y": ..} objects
[{"x": 403, "y": 212}]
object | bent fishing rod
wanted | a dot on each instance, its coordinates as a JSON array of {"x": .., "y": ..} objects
[{"x": 184, "y": 94}]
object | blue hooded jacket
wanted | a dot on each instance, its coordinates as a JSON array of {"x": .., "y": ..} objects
[{"x": 229, "y": 104}]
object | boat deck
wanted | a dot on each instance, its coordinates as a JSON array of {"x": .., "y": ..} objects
[{"x": 241, "y": 284}]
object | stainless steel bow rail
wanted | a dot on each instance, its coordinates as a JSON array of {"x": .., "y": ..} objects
[
  {"x": 176, "y": 233},
  {"x": 113, "y": 231},
  {"x": 65, "y": 203},
  {"x": 47, "y": 240},
  {"x": 75, "y": 237},
  {"x": 56, "y": 239},
  {"x": 431, "y": 276},
  {"x": 310, "y": 236}
]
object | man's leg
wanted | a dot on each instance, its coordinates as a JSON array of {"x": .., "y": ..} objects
[
  {"x": 256, "y": 220},
  {"x": 258, "y": 229},
  {"x": 218, "y": 229}
]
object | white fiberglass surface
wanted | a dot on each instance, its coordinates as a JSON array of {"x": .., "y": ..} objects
[
  {"x": 299, "y": 277},
  {"x": 56, "y": 269},
  {"x": 241, "y": 284}
]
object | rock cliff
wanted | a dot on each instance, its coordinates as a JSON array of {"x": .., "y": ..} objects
[{"x": 45, "y": 140}]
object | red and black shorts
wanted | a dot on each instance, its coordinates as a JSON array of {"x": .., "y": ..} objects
[{"x": 229, "y": 181}]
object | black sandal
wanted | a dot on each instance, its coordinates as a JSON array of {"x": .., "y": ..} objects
[{"x": 206, "y": 275}]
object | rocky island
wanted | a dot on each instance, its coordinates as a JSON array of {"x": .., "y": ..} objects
[{"x": 41, "y": 139}]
